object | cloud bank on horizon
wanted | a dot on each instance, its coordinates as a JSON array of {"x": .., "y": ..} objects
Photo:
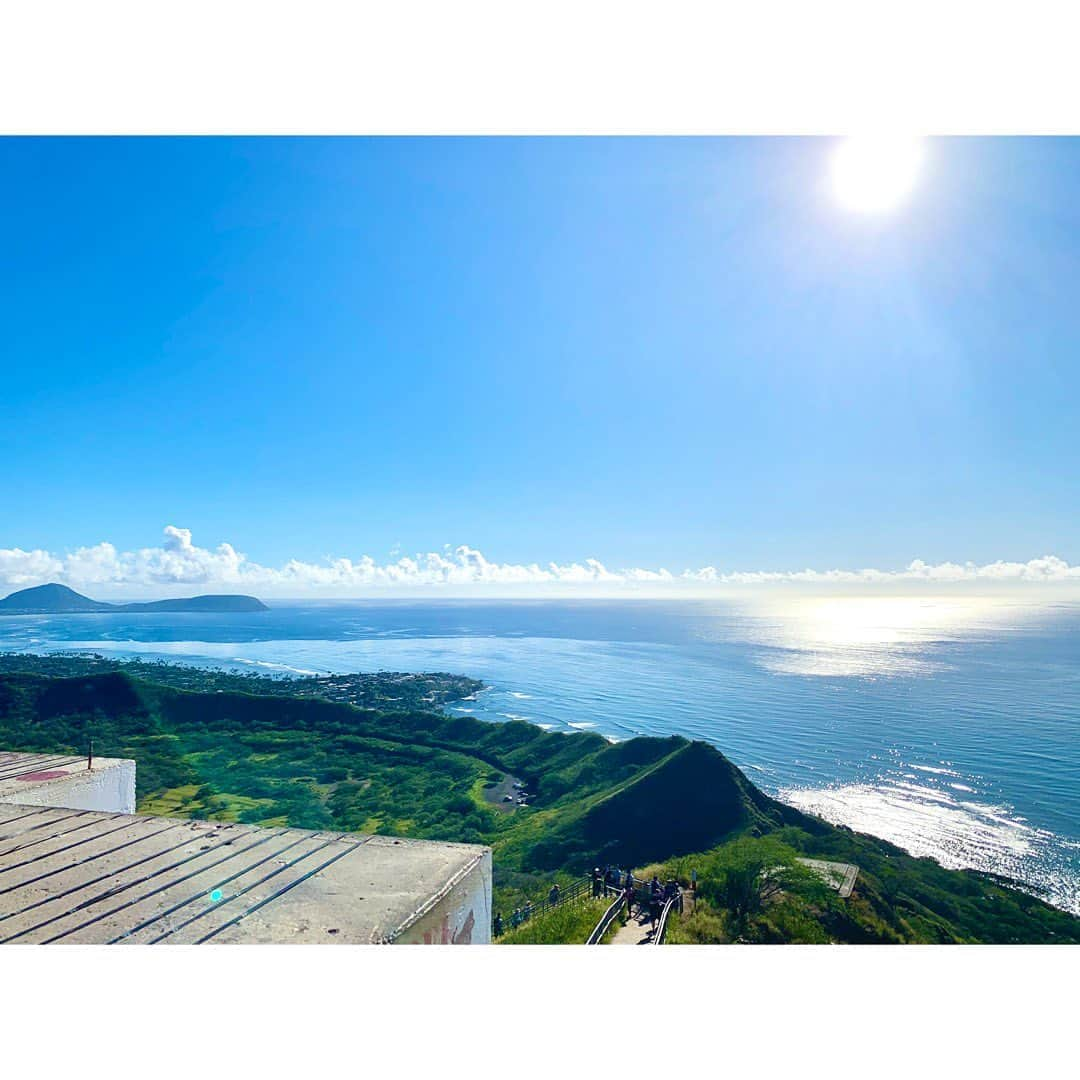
[{"x": 180, "y": 562}]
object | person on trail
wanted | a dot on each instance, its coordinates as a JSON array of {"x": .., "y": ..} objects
[
  {"x": 497, "y": 928},
  {"x": 526, "y": 911},
  {"x": 693, "y": 881},
  {"x": 628, "y": 897},
  {"x": 515, "y": 918},
  {"x": 553, "y": 895},
  {"x": 597, "y": 886},
  {"x": 655, "y": 900}
]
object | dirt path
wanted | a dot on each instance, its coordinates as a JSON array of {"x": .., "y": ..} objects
[{"x": 638, "y": 931}]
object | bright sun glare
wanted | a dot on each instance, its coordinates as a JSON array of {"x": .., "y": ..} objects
[{"x": 874, "y": 175}]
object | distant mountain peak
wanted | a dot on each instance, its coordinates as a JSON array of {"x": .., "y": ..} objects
[
  {"x": 50, "y": 597},
  {"x": 53, "y": 588},
  {"x": 55, "y": 598}
]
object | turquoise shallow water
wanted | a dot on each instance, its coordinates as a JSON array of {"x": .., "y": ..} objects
[{"x": 951, "y": 727}]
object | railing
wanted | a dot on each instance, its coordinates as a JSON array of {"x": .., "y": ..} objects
[
  {"x": 575, "y": 891},
  {"x": 661, "y": 926},
  {"x": 641, "y": 898},
  {"x": 608, "y": 918},
  {"x": 582, "y": 888}
]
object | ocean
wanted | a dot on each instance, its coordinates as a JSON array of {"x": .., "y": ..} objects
[{"x": 949, "y": 726}]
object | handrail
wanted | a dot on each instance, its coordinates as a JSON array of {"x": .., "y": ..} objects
[
  {"x": 601, "y": 928},
  {"x": 661, "y": 929},
  {"x": 583, "y": 888},
  {"x": 572, "y": 892}
]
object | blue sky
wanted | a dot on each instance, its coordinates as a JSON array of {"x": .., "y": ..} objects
[{"x": 671, "y": 352}]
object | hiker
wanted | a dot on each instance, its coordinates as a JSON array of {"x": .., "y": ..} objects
[
  {"x": 553, "y": 896},
  {"x": 693, "y": 882},
  {"x": 655, "y": 896},
  {"x": 628, "y": 896},
  {"x": 498, "y": 927},
  {"x": 597, "y": 887},
  {"x": 526, "y": 911},
  {"x": 515, "y": 918}
]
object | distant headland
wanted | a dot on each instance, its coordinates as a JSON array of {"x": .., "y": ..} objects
[{"x": 56, "y": 599}]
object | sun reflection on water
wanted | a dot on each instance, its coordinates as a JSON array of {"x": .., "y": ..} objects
[{"x": 868, "y": 636}]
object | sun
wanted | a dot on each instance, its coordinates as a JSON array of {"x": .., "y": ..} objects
[{"x": 875, "y": 175}]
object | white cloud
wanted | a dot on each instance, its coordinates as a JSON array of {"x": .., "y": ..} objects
[
  {"x": 21, "y": 568},
  {"x": 181, "y": 565}
]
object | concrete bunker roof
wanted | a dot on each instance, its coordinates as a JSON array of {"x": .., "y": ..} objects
[
  {"x": 76, "y": 876},
  {"x": 21, "y": 773}
]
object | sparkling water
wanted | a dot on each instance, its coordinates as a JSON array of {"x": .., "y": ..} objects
[{"x": 949, "y": 726}]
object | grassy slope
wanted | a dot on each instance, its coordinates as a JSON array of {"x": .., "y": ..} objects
[
  {"x": 568, "y": 924},
  {"x": 319, "y": 764},
  {"x": 897, "y": 899}
]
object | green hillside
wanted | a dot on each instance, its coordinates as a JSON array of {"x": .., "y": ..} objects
[{"x": 312, "y": 763}]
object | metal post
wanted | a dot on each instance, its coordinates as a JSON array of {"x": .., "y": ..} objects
[{"x": 90, "y": 756}]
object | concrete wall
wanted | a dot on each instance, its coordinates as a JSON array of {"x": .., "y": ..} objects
[
  {"x": 461, "y": 917},
  {"x": 110, "y": 788}
]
